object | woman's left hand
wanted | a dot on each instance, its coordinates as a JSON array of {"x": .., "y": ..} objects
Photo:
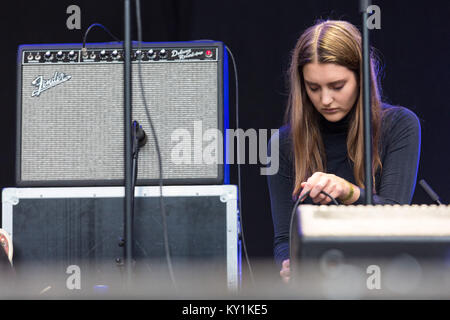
[{"x": 330, "y": 183}]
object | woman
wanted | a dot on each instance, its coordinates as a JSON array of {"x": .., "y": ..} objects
[{"x": 321, "y": 145}]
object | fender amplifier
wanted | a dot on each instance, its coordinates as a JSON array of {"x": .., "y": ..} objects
[{"x": 70, "y": 113}]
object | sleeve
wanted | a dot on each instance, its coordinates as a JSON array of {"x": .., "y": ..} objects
[
  {"x": 280, "y": 189},
  {"x": 401, "y": 160}
]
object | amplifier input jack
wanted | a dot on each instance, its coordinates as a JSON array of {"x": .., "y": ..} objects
[{"x": 84, "y": 53}]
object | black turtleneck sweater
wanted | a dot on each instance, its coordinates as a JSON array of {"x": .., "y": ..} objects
[{"x": 395, "y": 184}]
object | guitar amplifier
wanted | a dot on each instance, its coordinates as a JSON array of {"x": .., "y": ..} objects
[
  {"x": 55, "y": 228},
  {"x": 70, "y": 113},
  {"x": 371, "y": 251}
]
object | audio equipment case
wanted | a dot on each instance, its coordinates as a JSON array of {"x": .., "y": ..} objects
[
  {"x": 53, "y": 228},
  {"x": 378, "y": 251}
]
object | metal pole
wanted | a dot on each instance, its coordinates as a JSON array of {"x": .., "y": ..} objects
[
  {"x": 128, "y": 225},
  {"x": 367, "y": 104}
]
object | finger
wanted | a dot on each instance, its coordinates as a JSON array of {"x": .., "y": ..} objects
[
  {"x": 302, "y": 185},
  {"x": 331, "y": 190},
  {"x": 335, "y": 194},
  {"x": 313, "y": 180},
  {"x": 285, "y": 272},
  {"x": 322, "y": 198},
  {"x": 318, "y": 186},
  {"x": 327, "y": 199},
  {"x": 284, "y": 275},
  {"x": 286, "y": 279},
  {"x": 309, "y": 184}
]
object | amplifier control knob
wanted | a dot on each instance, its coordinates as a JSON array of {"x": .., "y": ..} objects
[
  {"x": 72, "y": 55},
  {"x": 151, "y": 54},
  {"x": 103, "y": 54},
  {"x": 115, "y": 53},
  {"x": 163, "y": 53},
  {"x": 47, "y": 55},
  {"x": 138, "y": 54},
  {"x": 59, "y": 55}
]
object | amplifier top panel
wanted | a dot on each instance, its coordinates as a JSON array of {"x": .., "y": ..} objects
[{"x": 108, "y": 53}]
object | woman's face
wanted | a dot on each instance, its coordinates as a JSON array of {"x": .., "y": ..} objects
[{"x": 332, "y": 89}]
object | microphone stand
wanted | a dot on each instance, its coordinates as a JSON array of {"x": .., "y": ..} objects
[
  {"x": 129, "y": 194},
  {"x": 433, "y": 195},
  {"x": 363, "y": 4}
]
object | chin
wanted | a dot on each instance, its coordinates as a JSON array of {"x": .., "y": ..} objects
[{"x": 335, "y": 117}]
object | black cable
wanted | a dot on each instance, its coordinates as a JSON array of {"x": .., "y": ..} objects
[
  {"x": 241, "y": 224},
  {"x": 83, "y": 48},
  {"x": 239, "y": 166},
  {"x": 155, "y": 139},
  {"x": 294, "y": 209},
  {"x": 101, "y": 26}
]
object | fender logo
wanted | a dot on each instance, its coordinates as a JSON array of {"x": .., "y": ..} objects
[{"x": 43, "y": 85}]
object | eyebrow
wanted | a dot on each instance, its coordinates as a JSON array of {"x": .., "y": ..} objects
[{"x": 331, "y": 83}]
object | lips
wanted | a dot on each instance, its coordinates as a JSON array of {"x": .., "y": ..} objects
[{"x": 332, "y": 110}]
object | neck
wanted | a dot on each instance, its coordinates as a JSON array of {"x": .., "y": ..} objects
[{"x": 340, "y": 126}]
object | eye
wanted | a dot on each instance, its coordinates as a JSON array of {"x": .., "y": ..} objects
[
  {"x": 338, "y": 88},
  {"x": 313, "y": 89}
]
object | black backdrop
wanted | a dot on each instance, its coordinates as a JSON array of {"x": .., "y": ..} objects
[{"x": 413, "y": 40}]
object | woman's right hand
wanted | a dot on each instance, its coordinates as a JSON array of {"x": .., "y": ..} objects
[{"x": 285, "y": 272}]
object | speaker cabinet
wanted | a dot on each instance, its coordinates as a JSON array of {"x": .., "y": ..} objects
[{"x": 380, "y": 251}]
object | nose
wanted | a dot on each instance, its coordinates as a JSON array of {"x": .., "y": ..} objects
[{"x": 326, "y": 97}]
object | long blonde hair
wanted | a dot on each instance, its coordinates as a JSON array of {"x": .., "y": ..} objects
[{"x": 339, "y": 42}]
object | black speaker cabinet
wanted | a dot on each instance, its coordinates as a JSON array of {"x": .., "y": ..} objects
[
  {"x": 70, "y": 113},
  {"x": 54, "y": 228}
]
